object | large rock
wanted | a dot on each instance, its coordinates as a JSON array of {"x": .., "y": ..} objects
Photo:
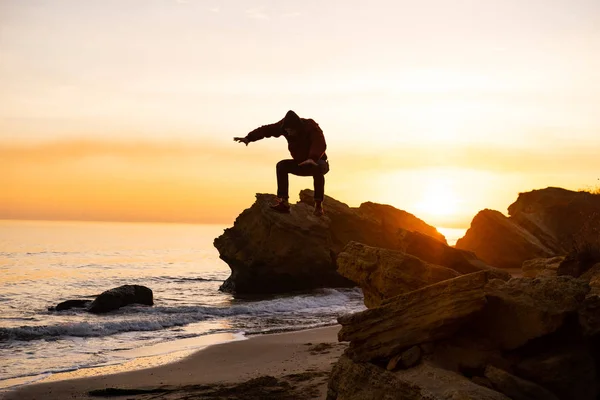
[
  {"x": 425, "y": 315},
  {"x": 558, "y": 217},
  {"x": 270, "y": 252},
  {"x": 383, "y": 273},
  {"x": 351, "y": 380},
  {"x": 523, "y": 309},
  {"x": 523, "y": 339},
  {"x": 121, "y": 296},
  {"x": 541, "y": 224},
  {"x": 391, "y": 218},
  {"x": 500, "y": 242}
]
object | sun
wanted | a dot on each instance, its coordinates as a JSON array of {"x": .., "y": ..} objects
[{"x": 438, "y": 199}]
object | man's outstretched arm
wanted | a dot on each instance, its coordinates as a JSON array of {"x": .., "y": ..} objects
[{"x": 265, "y": 131}]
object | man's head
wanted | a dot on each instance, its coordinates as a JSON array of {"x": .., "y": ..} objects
[{"x": 291, "y": 123}]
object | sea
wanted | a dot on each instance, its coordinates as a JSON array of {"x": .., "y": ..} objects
[{"x": 45, "y": 262}]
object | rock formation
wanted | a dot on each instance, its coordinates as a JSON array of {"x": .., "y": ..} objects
[
  {"x": 110, "y": 300},
  {"x": 475, "y": 337},
  {"x": 273, "y": 253},
  {"x": 121, "y": 296},
  {"x": 421, "y": 316},
  {"x": 542, "y": 224},
  {"x": 383, "y": 273},
  {"x": 501, "y": 242},
  {"x": 558, "y": 217}
]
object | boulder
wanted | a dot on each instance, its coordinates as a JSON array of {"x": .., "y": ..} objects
[
  {"x": 539, "y": 267},
  {"x": 270, "y": 252},
  {"x": 121, "y": 296},
  {"x": 391, "y": 218},
  {"x": 383, "y": 273},
  {"x": 500, "y": 242},
  {"x": 352, "y": 380},
  {"x": 528, "y": 338},
  {"x": 431, "y": 313},
  {"x": 523, "y": 309},
  {"x": 541, "y": 224},
  {"x": 559, "y": 218},
  {"x": 406, "y": 359}
]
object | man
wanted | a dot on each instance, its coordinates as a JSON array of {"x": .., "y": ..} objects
[{"x": 306, "y": 144}]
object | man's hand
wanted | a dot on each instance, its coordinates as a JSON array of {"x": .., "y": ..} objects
[
  {"x": 241, "y": 140},
  {"x": 308, "y": 162}
]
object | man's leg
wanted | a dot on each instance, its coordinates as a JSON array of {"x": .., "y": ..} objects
[
  {"x": 283, "y": 168},
  {"x": 286, "y": 167},
  {"x": 319, "y": 182}
]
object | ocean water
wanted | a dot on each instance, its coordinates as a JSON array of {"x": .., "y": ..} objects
[{"x": 44, "y": 263}]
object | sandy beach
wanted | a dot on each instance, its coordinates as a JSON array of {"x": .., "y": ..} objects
[{"x": 293, "y": 365}]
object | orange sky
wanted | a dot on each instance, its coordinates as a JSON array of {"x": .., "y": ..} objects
[{"x": 114, "y": 110}]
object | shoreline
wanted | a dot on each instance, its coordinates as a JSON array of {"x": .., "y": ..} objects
[
  {"x": 140, "y": 358},
  {"x": 293, "y": 360}
]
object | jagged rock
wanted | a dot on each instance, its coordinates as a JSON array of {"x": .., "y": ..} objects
[
  {"x": 121, "y": 296},
  {"x": 515, "y": 387},
  {"x": 391, "y": 218},
  {"x": 273, "y": 253},
  {"x": 406, "y": 359},
  {"x": 427, "y": 314},
  {"x": 500, "y": 242},
  {"x": 388, "y": 219},
  {"x": 523, "y": 309},
  {"x": 569, "y": 372},
  {"x": 559, "y": 218},
  {"x": 539, "y": 267},
  {"x": 351, "y": 380},
  {"x": 542, "y": 223},
  {"x": 383, "y": 273}
]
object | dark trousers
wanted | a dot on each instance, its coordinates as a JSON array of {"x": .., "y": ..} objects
[{"x": 285, "y": 167}]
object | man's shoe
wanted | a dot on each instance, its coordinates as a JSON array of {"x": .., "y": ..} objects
[
  {"x": 281, "y": 207},
  {"x": 319, "y": 211}
]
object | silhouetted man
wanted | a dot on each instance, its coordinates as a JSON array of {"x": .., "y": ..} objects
[{"x": 306, "y": 144}]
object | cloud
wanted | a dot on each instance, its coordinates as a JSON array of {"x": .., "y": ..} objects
[{"x": 257, "y": 13}]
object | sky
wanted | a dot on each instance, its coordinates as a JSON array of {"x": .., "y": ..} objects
[{"x": 126, "y": 110}]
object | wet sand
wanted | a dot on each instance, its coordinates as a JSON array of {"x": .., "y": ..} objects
[{"x": 287, "y": 366}]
